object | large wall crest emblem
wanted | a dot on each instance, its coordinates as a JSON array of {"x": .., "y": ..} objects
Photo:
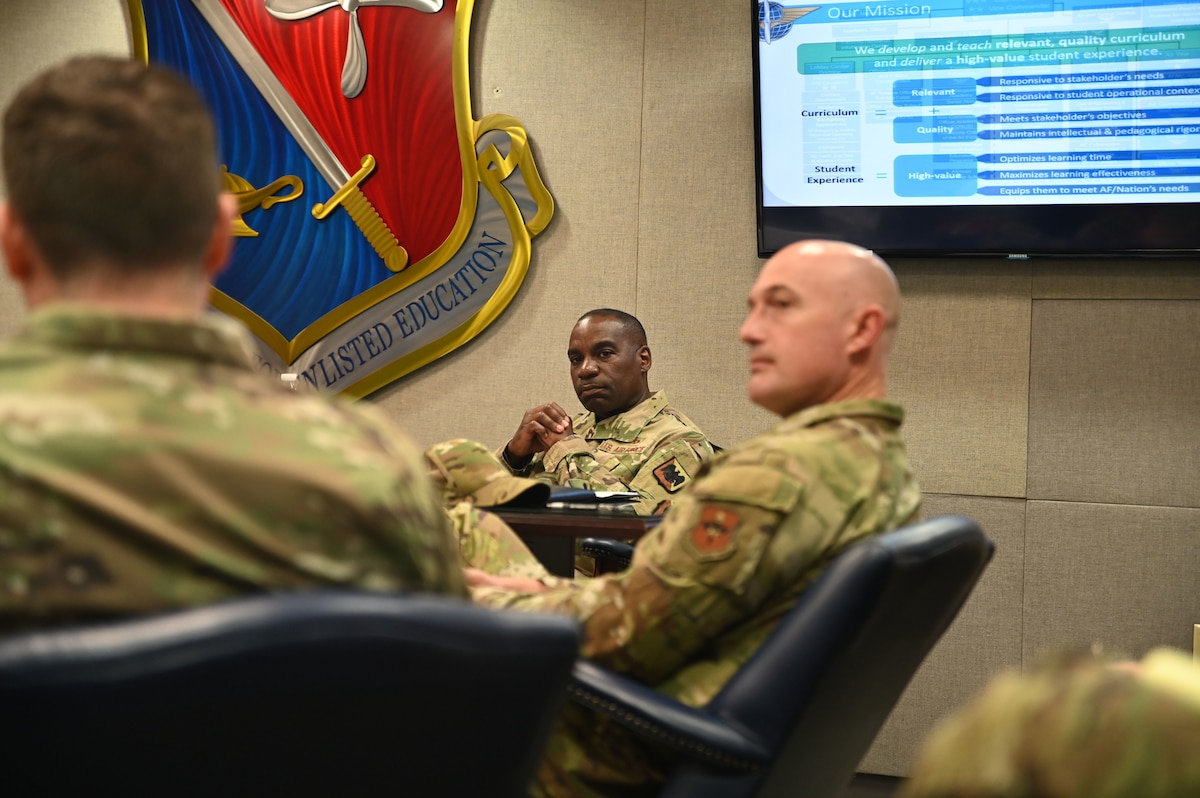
[{"x": 381, "y": 225}]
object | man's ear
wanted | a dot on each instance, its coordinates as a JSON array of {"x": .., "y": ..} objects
[
  {"x": 868, "y": 326},
  {"x": 24, "y": 262},
  {"x": 216, "y": 257},
  {"x": 15, "y": 246},
  {"x": 645, "y": 358}
]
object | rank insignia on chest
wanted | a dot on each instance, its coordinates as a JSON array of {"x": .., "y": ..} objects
[{"x": 381, "y": 225}]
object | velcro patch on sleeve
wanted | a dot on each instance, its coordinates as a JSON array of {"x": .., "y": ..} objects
[
  {"x": 712, "y": 538},
  {"x": 766, "y": 481},
  {"x": 671, "y": 475}
]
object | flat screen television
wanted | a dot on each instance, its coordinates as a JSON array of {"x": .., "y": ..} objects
[{"x": 980, "y": 127}]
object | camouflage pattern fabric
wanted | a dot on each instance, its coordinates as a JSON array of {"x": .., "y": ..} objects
[
  {"x": 651, "y": 448},
  {"x": 465, "y": 470},
  {"x": 1071, "y": 730},
  {"x": 706, "y": 586},
  {"x": 144, "y": 465},
  {"x": 485, "y": 538}
]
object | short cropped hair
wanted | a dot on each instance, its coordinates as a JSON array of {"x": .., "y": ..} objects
[
  {"x": 109, "y": 160},
  {"x": 632, "y": 327}
]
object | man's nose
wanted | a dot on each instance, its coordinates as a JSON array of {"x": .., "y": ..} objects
[
  {"x": 587, "y": 367},
  {"x": 749, "y": 332}
]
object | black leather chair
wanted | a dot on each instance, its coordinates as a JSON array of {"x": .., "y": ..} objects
[
  {"x": 330, "y": 694},
  {"x": 610, "y": 555},
  {"x": 799, "y": 716}
]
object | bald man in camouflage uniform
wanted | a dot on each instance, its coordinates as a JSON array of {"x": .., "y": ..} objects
[
  {"x": 629, "y": 440},
  {"x": 759, "y": 524},
  {"x": 144, "y": 463},
  {"x": 1073, "y": 728}
]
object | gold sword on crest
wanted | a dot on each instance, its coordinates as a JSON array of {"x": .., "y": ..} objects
[{"x": 347, "y": 193}]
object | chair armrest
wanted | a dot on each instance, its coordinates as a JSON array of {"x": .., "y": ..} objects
[
  {"x": 695, "y": 734},
  {"x": 611, "y": 555}
]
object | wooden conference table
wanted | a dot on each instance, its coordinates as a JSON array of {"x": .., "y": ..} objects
[{"x": 550, "y": 533}]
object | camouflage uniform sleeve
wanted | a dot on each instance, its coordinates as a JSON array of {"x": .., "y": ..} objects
[
  {"x": 1069, "y": 728},
  {"x": 498, "y": 452},
  {"x": 667, "y": 470},
  {"x": 703, "y": 570},
  {"x": 413, "y": 520}
]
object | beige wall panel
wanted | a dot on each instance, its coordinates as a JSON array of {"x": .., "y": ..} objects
[
  {"x": 961, "y": 369},
  {"x": 572, "y": 75},
  {"x": 1122, "y": 279},
  {"x": 34, "y": 36},
  {"x": 1114, "y": 402},
  {"x": 1118, "y": 575},
  {"x": 985, "y": 637},
  {"x": 696, "y": 240}
]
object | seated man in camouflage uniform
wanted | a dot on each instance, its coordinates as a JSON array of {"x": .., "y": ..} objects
[
  {"x": 1072, "y": 728},
  {"x": 629, "y": 440},
  {"x": 144, "y": 463},
  {"x": 759, "y": 523}
]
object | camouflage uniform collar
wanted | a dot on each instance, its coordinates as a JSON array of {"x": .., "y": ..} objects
[
  {"x": 819, "y": 414},
  {"x": 624, "y": 427},
  {"x": 214, "y": 338}
]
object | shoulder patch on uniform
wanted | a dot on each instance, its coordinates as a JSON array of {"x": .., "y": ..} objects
[
  {"x": 760, "y": 479},
  {"x": 671, "y": 475},
  {"x": 712, "y": 538}
]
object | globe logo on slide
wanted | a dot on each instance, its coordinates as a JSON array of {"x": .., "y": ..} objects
[{"x": 775, "y": 20}]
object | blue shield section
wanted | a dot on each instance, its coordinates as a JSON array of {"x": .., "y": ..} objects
[{"x": 297, "y": 269}]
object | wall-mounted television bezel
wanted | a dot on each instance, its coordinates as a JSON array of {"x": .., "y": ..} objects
[{"x": 866, "y": 120}]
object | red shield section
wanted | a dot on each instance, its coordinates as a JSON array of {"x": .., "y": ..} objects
[{"x": 417, "y": 185}]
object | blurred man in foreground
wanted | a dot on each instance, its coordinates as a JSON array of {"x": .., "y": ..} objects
[
  {"x": 144, "y": 464},
  {"x": 758, "y": 525},
  {"x": 1073, "y": 728}
]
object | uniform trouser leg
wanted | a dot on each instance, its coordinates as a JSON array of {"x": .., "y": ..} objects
[{"x": 588, "y": 755}]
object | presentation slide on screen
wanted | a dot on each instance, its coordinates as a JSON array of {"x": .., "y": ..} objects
[{"x": 980, "y": 102}]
